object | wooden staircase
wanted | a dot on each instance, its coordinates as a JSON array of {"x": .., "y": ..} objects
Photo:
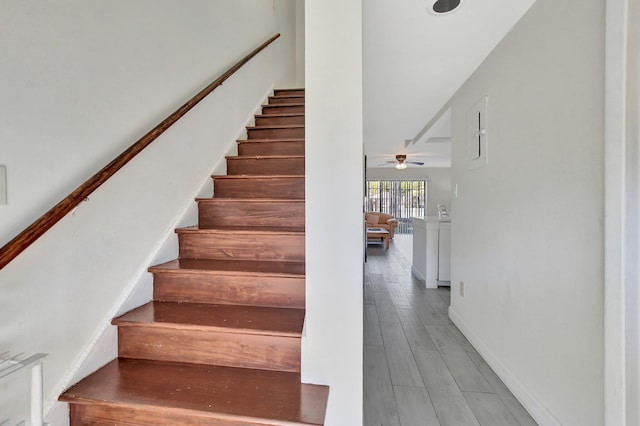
[{"x": 220, "y": 343}]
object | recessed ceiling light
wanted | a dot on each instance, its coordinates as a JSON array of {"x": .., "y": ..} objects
[{"x": 445, "y": 6}]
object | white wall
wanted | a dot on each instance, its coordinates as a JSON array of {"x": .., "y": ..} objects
[
  {"x": 622, "y": 214},
  {"x": 80, "y": 82},
  {"x": 438, "y": 190},
  {"x": 300, "y": 43},
  {"x": 332, "y": 348},
  {"x": 632, "y": 225},
  {"x": 527, "y": 230},
  {"x": 438, "y": 182}
]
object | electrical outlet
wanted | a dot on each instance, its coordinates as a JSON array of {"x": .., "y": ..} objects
[{"x": 462, "y": 288}]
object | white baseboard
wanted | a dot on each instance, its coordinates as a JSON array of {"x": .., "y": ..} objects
[{"x": 539, "y": 413}]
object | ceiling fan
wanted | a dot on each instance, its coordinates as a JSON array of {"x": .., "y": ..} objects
[{"x": 401, "y": 162}]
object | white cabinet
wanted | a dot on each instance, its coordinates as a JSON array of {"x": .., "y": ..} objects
[
  {"x": 431, "y": 251},
  {"x": 419, "y": 258}
]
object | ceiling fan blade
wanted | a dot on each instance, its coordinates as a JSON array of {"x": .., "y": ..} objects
[{"x": 419, "y": 163}]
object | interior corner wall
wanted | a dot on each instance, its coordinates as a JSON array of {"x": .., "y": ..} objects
[
  {"x": 527, "y": 228},
  {"x": 82, "y": 81},
  {"x": 332, "y": 344},
  {"x": 438, "y": 182},
  {"x": 300, "y": 31},
  {"x": 622, "y": 221},
  {"x": 438, "y": 190},
  {"x": 632, "y": 225}
]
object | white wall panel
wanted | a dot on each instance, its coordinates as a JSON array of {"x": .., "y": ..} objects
[
  {"x": 332, "y": 348},
  {"x": 527, "y": 228}
]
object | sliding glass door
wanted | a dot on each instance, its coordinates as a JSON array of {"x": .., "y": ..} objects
[{"x": 401, "y": 198}]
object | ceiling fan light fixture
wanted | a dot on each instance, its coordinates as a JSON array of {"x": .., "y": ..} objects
[{"x": 401, "y": 166}]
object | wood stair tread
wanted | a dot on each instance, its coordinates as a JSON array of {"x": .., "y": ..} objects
[
  {"x": 256, "y": 176},
  {"x": 242, "y": 230},
  {"x": 263, "y": 157},
  {"x": 286, "y": 105},
  {"x": 245, "y": 267},
  {"x": 293, "y": 89},
  {"x": 209, "y": 392},
  {"x": 255, "y": 320},
  {"x": 281, "y": 114},
  {"x": 266, "y": 230},
  {"x": 250, "y": 200},
  {"x": 277, "y": 126},
  {"x": 253, "y": 230},
  {"x": 270, "y": 140}
]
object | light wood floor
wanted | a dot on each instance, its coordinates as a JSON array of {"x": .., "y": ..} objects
[{"x": 418, "y": 368}]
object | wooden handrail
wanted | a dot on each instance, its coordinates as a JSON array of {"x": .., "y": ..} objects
[{"x": 27, "y": 237}]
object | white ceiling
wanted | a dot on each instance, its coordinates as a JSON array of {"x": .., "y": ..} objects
[{"x": 414, "y": 61}]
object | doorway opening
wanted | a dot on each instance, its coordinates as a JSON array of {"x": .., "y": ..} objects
[{"x": 403, "y": 199}]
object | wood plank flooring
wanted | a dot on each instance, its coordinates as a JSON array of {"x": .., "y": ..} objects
[{"x": 418, "y": 367}]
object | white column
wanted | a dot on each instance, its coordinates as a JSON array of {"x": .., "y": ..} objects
[{"x": 332, "y": 346}]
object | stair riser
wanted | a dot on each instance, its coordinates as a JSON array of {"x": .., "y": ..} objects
[
  {"x": 277, "y": 120},
  {"x": 282, "y": 109},
  {"x": 275, "y": 133},
  {"x": 210, "y": 347},
  {"x": 281, "y": 100},
  {"x": 110, "y": 415},
  {"x": 288, "y": 92},
  {"x": 222, "y": 213},
  {"x": 281, "y": 188},
  {"x": 229, "y": 289},
  {"x": 289, "y": 248},
  {"x": 271, "y": 148},
  {"x": 265, "y": 166}
]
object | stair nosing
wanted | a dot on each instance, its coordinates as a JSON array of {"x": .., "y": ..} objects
[
  {"x": 282, "y": 114},
  {"x": 213, "y": 415},
  {"x": 260, "y": 140},
  {"x": 284, "y": 105},
  {"x": 148, "y": 406},
  {"x": 211, "y": 328},
  {"x": 195, "y": 230},
  {"x": 257, "y": 176},
  {"x": 277, "y": 127},
  {"x": 194, "y": 271},
  {"x": 251, "y": 200},
  {"x": 264, "y": 157},
  {"x": 262, "y": 229}
]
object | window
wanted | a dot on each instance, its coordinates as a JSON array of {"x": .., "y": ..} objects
[{"x": 403, "y": 199}]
